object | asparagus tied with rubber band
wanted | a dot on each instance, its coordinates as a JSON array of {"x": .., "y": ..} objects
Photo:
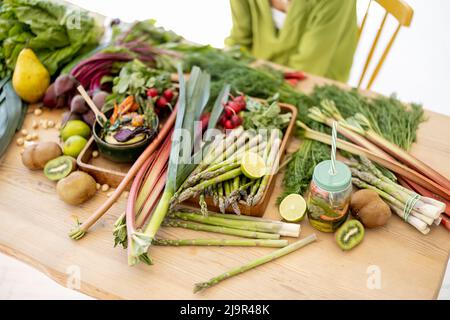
[{"x": 391, "y": 165}]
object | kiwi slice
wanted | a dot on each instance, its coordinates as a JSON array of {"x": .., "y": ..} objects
[
  {"x": 60, "y": 167},
  {"x": 350, "y": 234}
]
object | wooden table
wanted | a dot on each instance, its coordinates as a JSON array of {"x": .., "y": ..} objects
[{"x": 34, "y": 226}]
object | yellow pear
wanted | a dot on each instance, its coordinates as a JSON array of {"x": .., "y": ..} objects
[{"x": 30, "y": 79}]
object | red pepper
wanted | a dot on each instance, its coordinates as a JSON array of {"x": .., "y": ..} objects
[{"x": 298, "y": 75}]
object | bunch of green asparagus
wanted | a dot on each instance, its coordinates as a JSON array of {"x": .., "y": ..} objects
[
  {"x": 219, "y": 174},
  {"x": 420, "y": 212}
]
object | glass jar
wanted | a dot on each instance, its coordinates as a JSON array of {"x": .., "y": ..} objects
[{"x": 328, "y": 197}]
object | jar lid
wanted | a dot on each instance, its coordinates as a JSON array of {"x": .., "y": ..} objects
[{"x": 334, "y": 183}]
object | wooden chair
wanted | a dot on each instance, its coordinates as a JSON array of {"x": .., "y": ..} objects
[{"x": 403, "y": 13}]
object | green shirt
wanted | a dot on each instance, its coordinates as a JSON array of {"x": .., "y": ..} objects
[{"x": 318, "y": 36}]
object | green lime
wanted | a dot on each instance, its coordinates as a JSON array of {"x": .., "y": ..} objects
[
  {"x": 293, "y": 208},
  {"x": 75, "y": 128},
  {"x": 253, "y": 165},
  {"x": 73, "y": 146}
]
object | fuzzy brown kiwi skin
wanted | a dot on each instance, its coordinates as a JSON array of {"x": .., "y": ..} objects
[
  {"x": 37, "y": 155},
  {"x": 369, "y": 208},
  {"x": 344, "y": 229}
]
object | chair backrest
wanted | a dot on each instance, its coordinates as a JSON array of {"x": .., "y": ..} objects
[{"x": 403, "y": 13}]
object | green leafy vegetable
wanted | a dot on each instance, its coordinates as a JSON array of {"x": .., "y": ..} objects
[
  {"x": 56, "y": 33},
  {"x": 261, "y": 115}
]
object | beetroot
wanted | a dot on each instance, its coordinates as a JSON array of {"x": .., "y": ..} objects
[
  {"x": 78, "y": 105},
  {"x": 50, "y": 97},
  {"x": 67, "y": 116},
  {"x": 89, "y": 117},
  {"x": 64, "y": 84},
  {"x": 99, "y": 98}
]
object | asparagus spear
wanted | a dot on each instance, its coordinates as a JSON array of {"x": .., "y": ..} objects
[
  {"x": 215, "y": 150},
  {"x": 272, "y": 162},
  {"x": 221, "y": 192},
  {"x": 255, "y": 263},
  {"x": 194, "y": 190},
  {"x": 203, "y": 205},
  {"x": 260, "y": 226},
  {"x": 219, "y": 229},
  {"x": 223, "y": 242}
]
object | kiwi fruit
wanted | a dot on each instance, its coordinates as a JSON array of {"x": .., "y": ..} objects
[
  {"x": 369, "y": 208},
  {"x": 350, "y": 234},
  {"x": 60, "y": 167},
  {"x": 76, "y": 188},
  {"x": 37, "y": 155}
]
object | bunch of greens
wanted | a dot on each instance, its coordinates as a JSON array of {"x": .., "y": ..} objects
[
  {"x": 134, "y": 79},
  {"x": 261, "y": 115},
  {"x": 391, "y": 118},
  {"x": 228, "y": 67},
  {"x": 56, "y": 33}
]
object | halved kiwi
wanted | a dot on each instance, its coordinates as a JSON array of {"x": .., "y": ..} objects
[
  {"x": 60, "y": 167},
  {"x": 350, "y": 234}
]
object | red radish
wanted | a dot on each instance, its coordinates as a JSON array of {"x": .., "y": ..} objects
[
  {"x": 236, "y": 120},
  {"x": 152, "y": 92},
  {"x": 234, "y": 106},
  {"x": 240, "y": 101},
  {"x": 204, "y": 118},
  {"x": 223, "y": 119},
  {"x": 168, "y": 94},
  {"x": 229, "y": 112},
  {"x": 161, "y": 102},
  {"x": 228, "y": 125}
]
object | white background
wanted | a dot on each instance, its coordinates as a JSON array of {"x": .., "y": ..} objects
[{"x": 418, "y": 69}]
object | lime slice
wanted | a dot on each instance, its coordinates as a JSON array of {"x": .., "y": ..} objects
[
  {"x": 293, "y": 208},
  {"x": 253, "y": 165}
]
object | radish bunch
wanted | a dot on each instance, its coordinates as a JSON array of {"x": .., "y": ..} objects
[
  {"x": 162, "y": 97},
  {"x": 230, "y": 118}
]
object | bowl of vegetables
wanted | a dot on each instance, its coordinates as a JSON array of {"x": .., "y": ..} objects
[
  {"x": 141, "y": 98},
  {"x": 127, "y": 132}
]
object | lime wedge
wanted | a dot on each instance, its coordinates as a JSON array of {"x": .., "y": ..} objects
[
  {"x": 253, "y": 165},
  {"x": 293, "y": 208}
]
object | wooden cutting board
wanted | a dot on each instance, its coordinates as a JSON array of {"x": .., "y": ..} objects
[{"x": 393, "y": 262}]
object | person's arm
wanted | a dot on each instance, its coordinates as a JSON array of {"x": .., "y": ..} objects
[
  {"x": 241, "y": 32},
  {"x": 327, "y": 22}
]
